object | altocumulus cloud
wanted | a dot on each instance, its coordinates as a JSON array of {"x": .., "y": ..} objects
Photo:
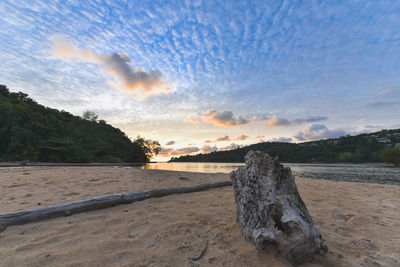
[
  {"x": 242, "y": 137},
  {"x": 318, "y": 131},
  {"x": 138, "y": 81},
  {"x": 191, "y": 120},
  {"x": 227, "y": 119},
  {"x": 208, "y": 149},
  {"x": 224, "y": 138},
  {"x": 275, "y": 121},
  {"x": 282, "y": 139},
  {"x": 167, "y": 152},
  {"x": 224, "y": 118},
  {"x": 229, "y": 147},
  {"x": 170, "y": 143}
]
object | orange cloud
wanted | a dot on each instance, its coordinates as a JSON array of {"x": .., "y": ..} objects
[
  {"x": 224, "y": 118},
  {"x": 191, "y": 120},
  {"x": 139, "y": 81},
  {"x": 223, "y": 138},
  {"x": 63, "y": 49},
  {"x": 274, "y": 121},
  {"x": 170, "y": 143},
  {"x": 242, "y": 137},
  {"x": 168, "y": 152}
]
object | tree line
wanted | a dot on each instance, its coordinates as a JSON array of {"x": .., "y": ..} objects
[
  {"x": 30, "y": 131},
  {"x": 361, "y": 148}
]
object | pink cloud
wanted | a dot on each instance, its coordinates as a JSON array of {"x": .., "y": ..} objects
[{"x": 138, "y": 81}]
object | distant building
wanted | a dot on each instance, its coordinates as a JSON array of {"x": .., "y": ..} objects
[{"x": 383, "y": 140}]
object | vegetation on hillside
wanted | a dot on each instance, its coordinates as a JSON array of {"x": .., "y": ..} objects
[
  {"x": 350, "y": 149},
  {"x": 391, "y": 155},
  {"x": 30, "y": 131}
]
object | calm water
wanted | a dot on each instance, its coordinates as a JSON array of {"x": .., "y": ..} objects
[{"x": 371, "y": 173}]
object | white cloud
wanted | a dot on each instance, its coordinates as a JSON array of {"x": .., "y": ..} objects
[
  {"x": 229, "y": 147},
  {"x": 208, "y": 149},
  {"x": 318, "y": 131},
  {"x": 282, "y": 139},
  {"x": 274, "y": 121}
]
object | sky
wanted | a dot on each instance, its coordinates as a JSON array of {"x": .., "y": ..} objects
[{"x": 201, "y": 76}]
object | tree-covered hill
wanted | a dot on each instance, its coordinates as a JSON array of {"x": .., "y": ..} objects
[
  {"x": 30, "y": 131},
  {"x": 355, "y": 149}
]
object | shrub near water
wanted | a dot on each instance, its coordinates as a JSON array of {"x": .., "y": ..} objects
[{"x": 391, "y": 155}]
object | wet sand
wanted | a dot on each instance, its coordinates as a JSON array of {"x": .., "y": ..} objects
[{"x": 360, "y": 222}]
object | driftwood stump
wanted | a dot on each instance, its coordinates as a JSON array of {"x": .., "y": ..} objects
[{"x": 270, "y": 209}]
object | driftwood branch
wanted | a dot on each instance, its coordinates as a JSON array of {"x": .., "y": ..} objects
[
  {"x": 203, "y": 252},
  {"x": 102, "y": 202}
]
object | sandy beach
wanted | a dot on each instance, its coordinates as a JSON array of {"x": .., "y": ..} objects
[{"x": 360, "y": 222}]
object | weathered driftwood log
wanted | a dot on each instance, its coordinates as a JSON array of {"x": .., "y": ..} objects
[
  {"x": 39, "y": 214},
  {"x": 270, "y": 209}
]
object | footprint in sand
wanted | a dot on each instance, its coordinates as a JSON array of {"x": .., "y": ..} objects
[
  {"x": 343, "y": 231},
  {"x": 343, "y": 217},
  {"x": 2, "y": 227},
  {"x": 383, "y": 221},
  {"x": 71, "y": 194},
  {"x": 364, "y": 244},
  {"x": 17, "y": 185},
  {"x": 185, "y": 249},
  {"x": 377, "y": 259}
]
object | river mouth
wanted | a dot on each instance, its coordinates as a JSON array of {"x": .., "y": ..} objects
[
  {"x": 377, "y": 173},
  {"x": 368, "y": 173}
]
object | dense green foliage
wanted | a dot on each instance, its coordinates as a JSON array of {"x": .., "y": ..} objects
[
  {"x": 354, "y": 149},
  {"x": 29, "y": 131},
  {"x": 391, "y": 155}
]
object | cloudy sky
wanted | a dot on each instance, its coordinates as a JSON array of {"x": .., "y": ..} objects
[{"x": 207, "y": 75}]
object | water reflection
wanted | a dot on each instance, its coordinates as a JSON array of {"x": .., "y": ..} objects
[
  {"x": 206, "y": 167},
  {"x": 372, "y": 173}
]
